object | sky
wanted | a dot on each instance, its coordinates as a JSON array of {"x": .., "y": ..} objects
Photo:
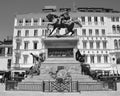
[{"x": 10, "y": 8}]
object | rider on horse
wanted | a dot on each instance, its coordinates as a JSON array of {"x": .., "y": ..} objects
[
  {"x": 62, "y": 21},
  {"x": 64, "y": 18}
]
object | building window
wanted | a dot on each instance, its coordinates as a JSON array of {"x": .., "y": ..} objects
[
  {"x": 113, "y": 19},
  {"x": 9, "y": 52},
  {"x": 92, "y": 58},
  {"x": 98, "y": 59},
  {"x": 86, "y": 58},
  {"x": 84, "y": 32},
  {"x": 35, "y": 32},
  {"x": 118, "y": 28},
  {"x": 115, "y": 44},
  {"x": 75, "y": 31},
  {"x": 19, "y": 22},
  {"x": 35, "y": 21},
  {"x": 17, "y": 45},
  {"x": 117, "y": 19},
  {"x": 18, "y": 33},
  {"x": 17, "y": 58},
  {"x": 103, "y": 31},
  {"x": 9, "y": 64},
  {"x": 102, "y": 19},
  {"x": 2, "y": 51},
  {"x": 35, "y": 43},
  {"x": 96, "y": 32},
  {"x": 119, "y": 43},
  {"x": 34, "y": 60},
  {"x": 114, "y": 28},
  {"x": 83, "y": 19},
  {"x": 25, "y": 59},
  {"x": 26, "y": 32},
  {"x": 98, "y": 44},
  {"x": 43, "y": 32},
  {"x": 118, "y": 61},
  {"x": 26, "y": 45},
  {"x": 90, "y": 32},
  {"x": 104, "y": 44},
  {"x": 28, "y": 22},
  {"x": 46, "y": 30},
  {"x": 84, "y": 44},
  {"x": 89, "y": 19},
  {"x": 91, "y": 44},
  {"x": 95, "y": 20},
  {"x": 105, "y": 59}
]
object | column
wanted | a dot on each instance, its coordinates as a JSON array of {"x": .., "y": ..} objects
[
  {"x": 40, "y": 21},
  {"x": 109, "y": 59},
  {"x": 102, "y": 59},
  {"x": 32, "y": 22},
  {"x": 46, "y": 51},
  {"x": 6, "y": 51},
  {"x": 88, "y": 59},
  {"x": 95, "y": 58},
  {"x": 24, "y": 22},
  {"x": 101, "y": 44},
  {"x": 88, "y": 47}
]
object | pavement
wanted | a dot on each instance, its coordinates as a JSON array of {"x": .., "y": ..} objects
[{"x": 37, "y": 93}]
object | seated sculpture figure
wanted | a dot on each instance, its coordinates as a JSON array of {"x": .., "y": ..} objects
[{"x": 36, "y": 67}]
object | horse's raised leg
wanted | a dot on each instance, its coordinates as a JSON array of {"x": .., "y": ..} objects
[
  {"x": 70, "y": 29},
  {"x": 72, "y": 32},
  {"x": 51, "y": 31}
]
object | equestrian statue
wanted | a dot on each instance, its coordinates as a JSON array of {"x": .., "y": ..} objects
[{"x": 62, "y": 21}]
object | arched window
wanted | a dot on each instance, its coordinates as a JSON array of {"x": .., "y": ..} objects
[
  {"x": 119, "y": 43},
  {"x": 115, "y": 44},
  {"x": 118, "y": 28},
  {"x": 118, "y": 61},
  {"x": 113, "y": 28}
]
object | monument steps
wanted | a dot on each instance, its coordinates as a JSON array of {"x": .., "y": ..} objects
[
  {"x": 72, "y": 66},
  {"x": 47, "y": 77}
]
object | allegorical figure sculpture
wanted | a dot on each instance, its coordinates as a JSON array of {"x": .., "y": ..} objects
[
  {"x": 36, "y": 67},
  {"x": 62, "y": 21},
  {"x": 79, "y": 56}
]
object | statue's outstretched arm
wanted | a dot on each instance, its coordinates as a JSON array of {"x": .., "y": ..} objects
[{"x": 34, "y": 56}]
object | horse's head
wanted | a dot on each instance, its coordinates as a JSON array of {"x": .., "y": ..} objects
[{"x": 52, "y": 18}]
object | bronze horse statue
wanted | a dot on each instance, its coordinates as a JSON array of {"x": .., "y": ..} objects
[{"x": 54, "y": 19}]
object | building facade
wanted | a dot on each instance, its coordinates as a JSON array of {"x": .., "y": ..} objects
[
  {"x": 98, "y": 39},
  {"x": 6, "y": 50}
]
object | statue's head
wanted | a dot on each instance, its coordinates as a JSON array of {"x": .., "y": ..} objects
[{"x": 66, "y": 12}]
